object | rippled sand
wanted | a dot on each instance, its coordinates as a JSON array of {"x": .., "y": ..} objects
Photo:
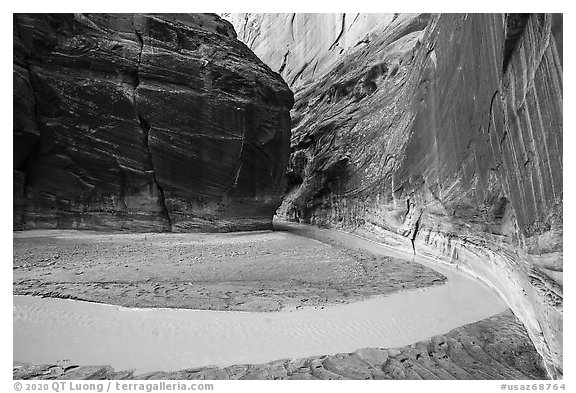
[
  {"x": 52, "y": 330},
  {"x": 249, "y": 271}
]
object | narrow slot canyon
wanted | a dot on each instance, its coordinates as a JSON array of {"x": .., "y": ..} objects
[{"x": 288, "y": 196}]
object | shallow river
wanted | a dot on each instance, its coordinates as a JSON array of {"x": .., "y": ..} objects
[{"x": 51, "y": 330}]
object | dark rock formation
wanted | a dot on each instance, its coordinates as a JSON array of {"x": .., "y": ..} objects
[
  {"x": 495, "y": 348},
  {"x": 144, "y": 122},
  {"x": 446, "y": 129}
]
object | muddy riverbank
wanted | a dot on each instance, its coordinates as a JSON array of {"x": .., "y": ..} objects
[
  {"x": 336, "y": 293},
  {"x": 250, "y": 271}
]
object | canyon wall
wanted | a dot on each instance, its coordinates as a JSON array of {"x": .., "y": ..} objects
[
  {"x": 445, "y": 130},
  {"x": 303, "y": 46},
  {"x": 144, "y": 122}
]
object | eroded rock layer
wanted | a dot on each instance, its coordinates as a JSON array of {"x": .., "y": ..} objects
[
  {"x": 144, "y": 122},
  {"x": 446, "y": 129}
]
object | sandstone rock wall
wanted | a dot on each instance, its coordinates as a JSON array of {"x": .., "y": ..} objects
[
  {"x": 300, "y": 46},
  {"x": 446, "y": 129},
  {"x": 144, "y": 122}
]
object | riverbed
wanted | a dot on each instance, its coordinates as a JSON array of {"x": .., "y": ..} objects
[{"x": 48, "y": 330}]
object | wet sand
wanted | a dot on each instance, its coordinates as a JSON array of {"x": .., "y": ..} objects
[
  {"x": 250, "y": 271},
  {"x": 494, "y": 348},
  {"x": 52, "y": 330},
  {"x": 405, "y": 301}
]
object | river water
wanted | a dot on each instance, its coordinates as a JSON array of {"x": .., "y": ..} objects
[{"x": 50, "y": 330}]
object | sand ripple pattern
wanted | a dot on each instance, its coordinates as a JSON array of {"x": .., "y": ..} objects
[{"x": 50, "y": 330}]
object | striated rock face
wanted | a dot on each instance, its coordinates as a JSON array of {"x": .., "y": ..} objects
[
  {"x": 304, "y": 46},
  {"x": 446, "y": 129},
  {"x": 144, "y": 122}
]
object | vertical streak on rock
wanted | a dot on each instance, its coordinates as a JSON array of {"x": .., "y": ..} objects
[
  {"x": 145, "y": 126},
  {"x": 245, "y": 29},
  {"x": 354, "y": 21},
  {"x": 413, "y": 239},
  {"x": 292, "y": 26},
  {"x": 298, "y": 74},
  {"x": 314, "y": 68},
  {"x": 342, "y": 28},
  {"x": 283, "y": 65},
  {"x": 541, "y": 125},
  {"x": 490, "y": 112},
  {"x": 239, "y": 170}
]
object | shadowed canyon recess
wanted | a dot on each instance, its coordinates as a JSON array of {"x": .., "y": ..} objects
[{"x": 437, "y": 134}]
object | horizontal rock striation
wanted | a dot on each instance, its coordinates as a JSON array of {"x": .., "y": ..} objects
[
  {"x": 495, "y": 348},
  {"x": 446, "y": 129},
  {"x": 144, "y": 122}
]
